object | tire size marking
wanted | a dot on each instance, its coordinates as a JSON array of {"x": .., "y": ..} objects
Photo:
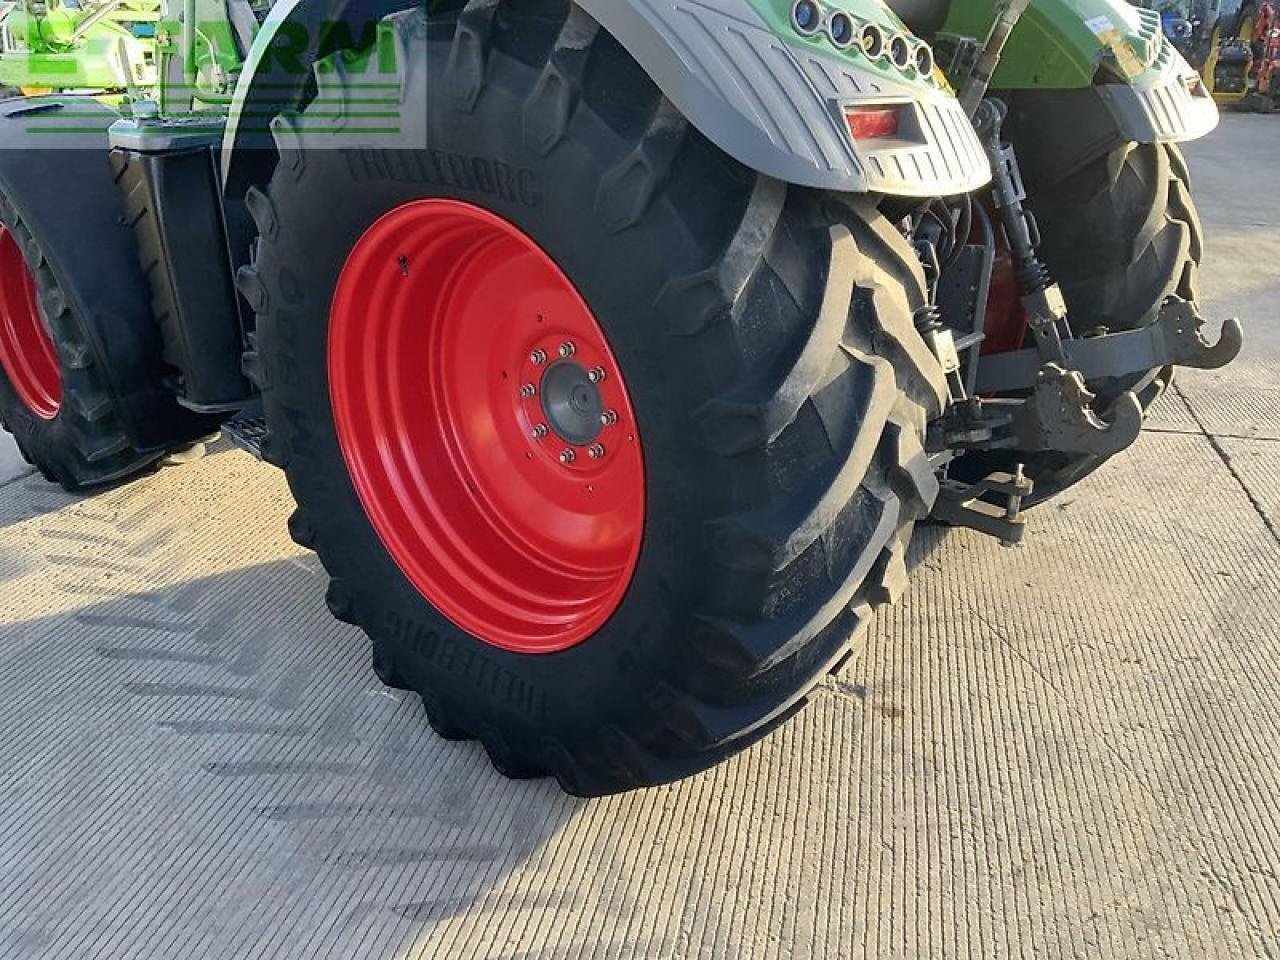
[
  {"x": 463, "y": 663},
  {"x": 491, "y": 178}
]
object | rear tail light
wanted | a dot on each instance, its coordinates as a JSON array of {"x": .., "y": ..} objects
[{"x": 873, "y": 123}]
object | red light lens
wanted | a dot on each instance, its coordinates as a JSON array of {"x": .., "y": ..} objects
[{"x": 874, "y": 123}]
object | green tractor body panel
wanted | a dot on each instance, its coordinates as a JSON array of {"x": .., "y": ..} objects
[
  {"x": 777, "y": 14},
  {"x": 770, "y": 95},
  {"x": 99, "y": 48},
  {"x": 861, "y": 110},
  {"x": 93, "y": 66},
  {"x": 1098, "y": 53},
  {"x": 1062, "y": 44}
]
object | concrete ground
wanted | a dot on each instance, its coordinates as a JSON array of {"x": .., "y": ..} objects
[
  {"x": 1065, "y": 750},
  {"x": 12, "y": 466}
]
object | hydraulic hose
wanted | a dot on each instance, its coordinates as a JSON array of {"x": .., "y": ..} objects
[{"x": 979, "y": 80}]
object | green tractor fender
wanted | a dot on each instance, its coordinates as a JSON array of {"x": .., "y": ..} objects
[
  {"x": 778, "y": 100},
  {"x": 1104, "y": 57},
  {"x": 772, "y": 93}
]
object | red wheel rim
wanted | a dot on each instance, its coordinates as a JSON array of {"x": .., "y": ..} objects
[
  {"x": 26, "y": 349},
  {"x": 453, "y": 339}
]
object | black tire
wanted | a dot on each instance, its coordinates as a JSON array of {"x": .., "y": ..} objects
[
  {"x": 783, "y": 442},
  {"x": 1121, "y": 236},
  {"x": 118, "y": 416},
  {"x": 86, "y": 443}
]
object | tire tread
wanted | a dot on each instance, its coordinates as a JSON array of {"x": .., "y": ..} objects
[{"x": 853, "y": 393}]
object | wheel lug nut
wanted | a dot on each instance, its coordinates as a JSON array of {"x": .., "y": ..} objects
[
  {"x": 609, "y": 418},
  {"x": 528, "y": 390},
  {"x": 567, "y": 456},
  {"x": 567, "y": 349},
  {"x": 596, "y": 374},
  {"x": 540, "y": 431},
  {"x": 595, "y": 451},
  {"x": 538, "y": 357}
]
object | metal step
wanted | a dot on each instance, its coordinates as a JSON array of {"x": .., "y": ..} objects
[{"x": 247, "y": 433}]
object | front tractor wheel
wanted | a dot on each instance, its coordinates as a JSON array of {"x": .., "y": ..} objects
[
  {"x": 65, "y": 414},
  {"x": 84, "y": 388},
  {"x": 609, "y": 443}
]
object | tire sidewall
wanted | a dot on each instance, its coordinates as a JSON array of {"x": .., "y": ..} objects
[
  {"x": 621, "y": 275},
  {"x": 42, "y": 441}
]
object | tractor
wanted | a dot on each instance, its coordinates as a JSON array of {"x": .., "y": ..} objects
[
  {"x": 107, "y": 48},
  {"x": 1193, "y": 27},
  {"x": 1247, "y": 68},
  {"x": 613, "y": 349}
]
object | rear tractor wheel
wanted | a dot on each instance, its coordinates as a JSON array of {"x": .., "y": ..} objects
[
  {"x": 609, "y": 443},
  {"x": 1121, "y": 236}
]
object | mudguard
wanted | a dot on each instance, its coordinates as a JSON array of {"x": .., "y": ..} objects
[
  {"x": 769, "y": 96},
  {"x": 1107, "y": 49},
  {"x": 776, "y": 101}
]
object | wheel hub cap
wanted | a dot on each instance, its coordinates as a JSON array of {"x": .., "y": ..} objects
[{"x": 572, "y": 404}]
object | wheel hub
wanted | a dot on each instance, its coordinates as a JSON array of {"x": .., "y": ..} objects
[{"x": 572, "y": 403}]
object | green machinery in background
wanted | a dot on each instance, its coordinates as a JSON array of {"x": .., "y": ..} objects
[
  {"x": 108, "y": 48},
  {"x": 127, "y": 50}
]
